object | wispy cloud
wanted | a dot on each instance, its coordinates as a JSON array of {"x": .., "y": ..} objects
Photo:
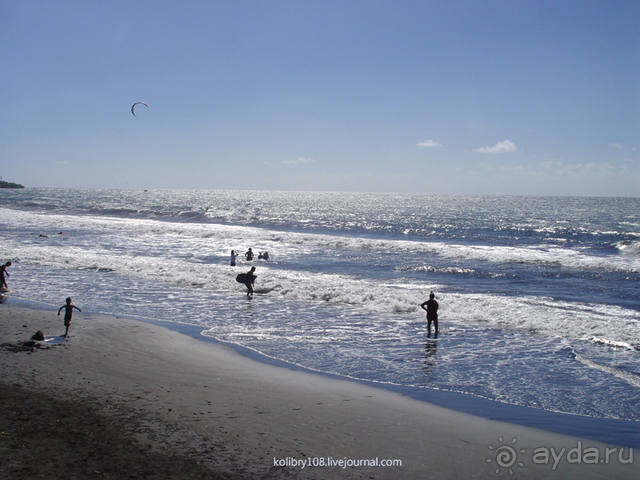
[
  {"x": 298, "y": 161},
  {"x": 615, "y": 146},
  {"x": 559, "y": 168},
  {"x": 428, "y": 144},
  {"x": 579, "y": 169},
  {"x": 500, "y": 147}
]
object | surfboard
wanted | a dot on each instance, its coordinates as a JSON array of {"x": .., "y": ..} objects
[
  {"x": 245, "y": 277},
  {"x": 57, "y": 340},
  {"x": 262, "y": 291},
  {"x": 4, "y": 290},
  {"x": 241, "y": 278}
]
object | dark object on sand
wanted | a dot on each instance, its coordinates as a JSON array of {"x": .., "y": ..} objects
[
  {"x": 39, "y": 336},
  {"x": 28, "y": 346}
]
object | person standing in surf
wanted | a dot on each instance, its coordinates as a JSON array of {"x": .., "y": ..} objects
[
  {"x": 431, "y": 307},
  {"x": 3, "y": 272},
  {"x": 234, "y": 257},
  {"x": 68, "y": 311}
]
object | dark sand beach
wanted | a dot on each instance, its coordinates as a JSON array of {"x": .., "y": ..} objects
[
  {"x": 49, "y": 437},
  {"x": 125, "y": 399}
]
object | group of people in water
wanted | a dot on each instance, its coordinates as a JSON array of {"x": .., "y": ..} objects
[
  {"x": 249, "y": 278},
  {"x": 248, "y": 255}
]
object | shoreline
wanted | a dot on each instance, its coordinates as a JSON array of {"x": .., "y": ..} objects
[
  {"x": 623, "y": 433},
  {"x": 253, "y": 420}
]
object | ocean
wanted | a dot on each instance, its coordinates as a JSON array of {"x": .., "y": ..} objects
[{"x": 539, "y": 297}]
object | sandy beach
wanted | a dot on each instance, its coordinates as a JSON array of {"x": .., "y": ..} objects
[{"x": 126, "y": 399}]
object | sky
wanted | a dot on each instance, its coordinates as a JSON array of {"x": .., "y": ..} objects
[{"x": 437, "y": 97}]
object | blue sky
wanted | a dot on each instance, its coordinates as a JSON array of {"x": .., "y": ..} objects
[{"x": 495, "y": 97}]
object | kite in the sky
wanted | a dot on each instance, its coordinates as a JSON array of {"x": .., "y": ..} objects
[{"x": 133, "y": 111}]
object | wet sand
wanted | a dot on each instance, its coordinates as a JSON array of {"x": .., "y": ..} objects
[{"x": 126, "y": 399}]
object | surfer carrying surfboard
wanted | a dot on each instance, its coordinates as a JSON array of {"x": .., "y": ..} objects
[
  {"x": 248, "y": 279},
  {"x": 68, "y": 311},
  {"x": 431, "y": 307}
]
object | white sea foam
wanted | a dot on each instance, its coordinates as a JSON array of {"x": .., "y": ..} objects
[
  {"x": 196, "y": 254},
  {"x": 614, "y": 343},
  {"x": 220, "y": 239},
  {"x": 629, "y": 377},
  {"x": 546, "y": 316},
  {"x": 630, "y": 247}
]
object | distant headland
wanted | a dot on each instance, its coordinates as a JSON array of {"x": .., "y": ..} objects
[{"x": 4, "y": 184}]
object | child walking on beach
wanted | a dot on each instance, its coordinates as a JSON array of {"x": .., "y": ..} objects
[{"x": 68, "y": 311}]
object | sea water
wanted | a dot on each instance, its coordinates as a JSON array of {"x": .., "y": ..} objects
[{"x": 539, "y": 297}]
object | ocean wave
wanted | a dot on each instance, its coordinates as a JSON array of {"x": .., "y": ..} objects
[
  {"x": 629, "y": 377},
  {"x": 547, "y": 316},
  {"x": 628, "y": 247},
  {"x": 614, "y": 343},
  {"x": 541, "y": 315},
  {"x": 188, "y": 254},
  {"x": 461, "y": 217},
  {"x": 294, "y": 243},
  {"x": 433, "y": 269}
]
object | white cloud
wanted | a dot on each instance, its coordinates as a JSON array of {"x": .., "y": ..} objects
[
  {"x": 500, "y": 147},
  {"x": 298, "y": 161},
  {"x": 615, "y": 146},
  {"x": 428, "y": 144}
]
